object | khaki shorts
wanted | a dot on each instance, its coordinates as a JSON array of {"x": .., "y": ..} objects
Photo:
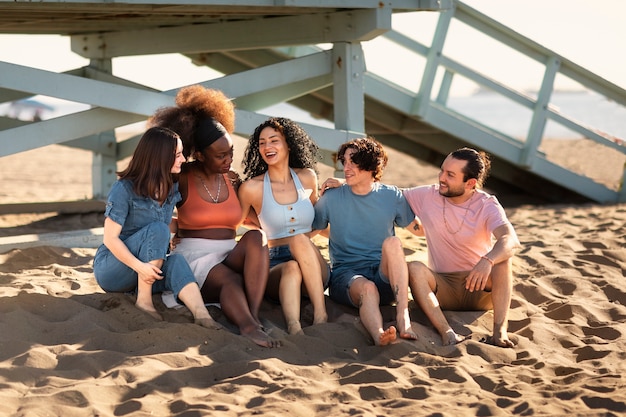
[{"x": 452, "y": 295}]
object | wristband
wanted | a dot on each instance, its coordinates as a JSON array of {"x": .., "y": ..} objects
[{"x": 488, "y": 259}]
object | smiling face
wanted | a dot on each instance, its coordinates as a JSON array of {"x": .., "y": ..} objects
[
  {"x": 218, "y": 157},
  {"x": 273, "y": 146},
  {"x": 179, "y": 159},
  {"x": 451, "y": 178},
  {"x": 359, "y": 180}
]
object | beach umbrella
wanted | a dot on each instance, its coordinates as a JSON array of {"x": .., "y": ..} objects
[{"x": 31, "y": 103}]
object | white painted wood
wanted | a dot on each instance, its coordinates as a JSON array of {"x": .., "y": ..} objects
[{"x": 86, "y": 238}]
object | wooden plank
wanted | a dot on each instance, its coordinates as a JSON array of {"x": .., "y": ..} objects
[
  {"x": 86, "y": 238},
  {"x": 61, "y": 207}
]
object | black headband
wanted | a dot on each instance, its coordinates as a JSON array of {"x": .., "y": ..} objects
[{"x": 208, "y": 131}]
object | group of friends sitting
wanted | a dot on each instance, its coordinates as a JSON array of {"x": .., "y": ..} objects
[{"x": 172, "y": 217}]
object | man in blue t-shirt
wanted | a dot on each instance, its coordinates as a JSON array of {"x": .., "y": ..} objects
[{"x": 367, "y": 259}]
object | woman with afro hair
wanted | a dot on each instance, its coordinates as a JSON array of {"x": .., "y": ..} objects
[
  {"x": 281, "y": 189},
  {"x": 229, "y": 271}
]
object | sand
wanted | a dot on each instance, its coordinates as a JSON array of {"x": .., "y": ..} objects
[{"x": 69, "y": 349}]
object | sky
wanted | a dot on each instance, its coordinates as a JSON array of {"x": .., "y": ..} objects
[{"x": 589, "y": 33}]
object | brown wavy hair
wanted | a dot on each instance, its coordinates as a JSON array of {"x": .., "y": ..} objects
[
  {"x": 193, "y": 104},
  {"x": 150, "y": 168}
]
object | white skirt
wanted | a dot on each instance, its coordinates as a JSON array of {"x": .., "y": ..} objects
[{"x": 201, "y": 255}]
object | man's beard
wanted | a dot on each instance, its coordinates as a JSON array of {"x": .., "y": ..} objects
[{"x": 451, "y": 192}]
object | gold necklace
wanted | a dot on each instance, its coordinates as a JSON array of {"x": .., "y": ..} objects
[
  {"x": 445, "y": 222},
  {"x": 219, "y": 187}
]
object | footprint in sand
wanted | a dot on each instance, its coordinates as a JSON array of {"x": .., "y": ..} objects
[
  {"x": 109, "y": 304},
  {"x": 589, "y": 353},
  {"x": 613, "y": 294},
  {"x": 448, "y": 373},
  {"x": 604, "y": 332}
]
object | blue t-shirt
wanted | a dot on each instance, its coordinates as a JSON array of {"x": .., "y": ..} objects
[
  {"x": 360, "y": 223},
  {"x": 134, "y": 212}
]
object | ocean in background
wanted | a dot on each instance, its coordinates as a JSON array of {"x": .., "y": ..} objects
[
  {"x": 504, "y": 115},
  {"x": 500, "y": 113},
  {"x": 489, "y": 109}
]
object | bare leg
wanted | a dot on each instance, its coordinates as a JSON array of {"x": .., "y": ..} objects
[
  {"x": 144, "y": 295},
  {"x": 365, "y": 294},
  {"x": 235, "y": 307},
  {"x": 284, "y": 285},
  {"x": 250, "y": 258},
  {"x": 394, "y": 266},
  {"x": 422, "y": 284},
  {"x": 308, "y": 258},
  {"x": 191, "y": 297},
  {"x": 226, "y": 286},
  {"x": 290, "y": 282},
  {"x": 502, "y": 283}
]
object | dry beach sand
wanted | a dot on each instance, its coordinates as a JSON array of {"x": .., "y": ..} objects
[{"x": 68, "y": 349}]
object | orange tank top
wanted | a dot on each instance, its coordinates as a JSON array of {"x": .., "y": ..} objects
[{"x": 198, "y": 214}]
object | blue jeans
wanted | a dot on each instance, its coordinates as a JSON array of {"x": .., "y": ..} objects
[{"x": 147, "y": 244}]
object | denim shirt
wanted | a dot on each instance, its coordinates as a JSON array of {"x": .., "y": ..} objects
[{"x": 134, "y": 212}]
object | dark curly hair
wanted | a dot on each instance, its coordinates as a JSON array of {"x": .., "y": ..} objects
[
  {"x": 193, "y": 104},
  {"x": 303, "y": 151},
  {"x": 369, "y": 155}
]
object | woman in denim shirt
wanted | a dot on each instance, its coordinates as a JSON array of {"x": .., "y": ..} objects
[{"x": 138, "y": 212}]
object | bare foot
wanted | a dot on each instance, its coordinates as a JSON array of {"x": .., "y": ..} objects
[
  {"x": 294, "y": 327},
  {"x": 151, "y": 311},
  {"x": 387, "y": 337},
  {"x": 404, "y": 324},
  {"x": 451, "y": 338},
  {"x": 408, "y": 335},
  {"x": 208, "y": 322},
  {"x": 501, "y": 339},
  {"x": 321, "y": 319},
  {"x": 261, "y": 338},
  {"x": 257, "y": 319},
  {"x": 202, "y": 317}
]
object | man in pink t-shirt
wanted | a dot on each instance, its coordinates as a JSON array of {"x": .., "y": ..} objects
[{"x": 470, "y": 246}]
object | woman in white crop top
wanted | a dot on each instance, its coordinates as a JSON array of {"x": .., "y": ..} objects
[{"x": 281, "y": 189}]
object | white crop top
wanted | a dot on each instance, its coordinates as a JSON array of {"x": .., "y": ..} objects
[{"x": 284, "y": 220}]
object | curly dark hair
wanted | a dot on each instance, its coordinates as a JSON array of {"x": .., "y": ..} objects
[
  {"x": 193, "y": 104},
  {"x": 369, "y": 155},
  {"x": 303, "y": 151}
]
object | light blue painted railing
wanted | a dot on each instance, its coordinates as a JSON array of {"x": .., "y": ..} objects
[{"x": 431, "y": 101}]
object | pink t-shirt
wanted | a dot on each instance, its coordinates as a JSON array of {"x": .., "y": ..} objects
[{"x": 458, "y": 243}]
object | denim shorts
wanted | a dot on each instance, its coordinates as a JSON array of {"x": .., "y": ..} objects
[
  {"x": 341, "y": 279},
  {"x": 279, "y": 255},
  {"x": 282, "y": 254}
]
